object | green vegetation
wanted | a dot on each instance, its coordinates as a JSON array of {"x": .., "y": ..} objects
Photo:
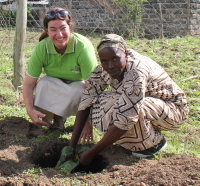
[
  {"x": 179, "y": 56},
  {"x": 33, "y": 172},
  {"x": 134, "y": 11},
  {"x": 9, "y": 16}
]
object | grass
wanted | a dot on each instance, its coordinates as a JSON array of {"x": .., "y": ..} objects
[{"x": 179, "y": 56}]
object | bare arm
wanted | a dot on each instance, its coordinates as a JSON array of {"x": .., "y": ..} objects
[
  {"x": 81, "y": 118},
  {"x": 108, "y": 139},
  {"x": 28, "y": 87}
]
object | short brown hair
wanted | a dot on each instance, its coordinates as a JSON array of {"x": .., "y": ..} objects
[{"x": 46, "y": 21}]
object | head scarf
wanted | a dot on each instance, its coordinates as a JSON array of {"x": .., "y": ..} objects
[{"x": 112, "y": 40}]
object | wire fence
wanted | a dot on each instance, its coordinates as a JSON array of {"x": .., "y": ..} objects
[{"x": 129, "y": 18}]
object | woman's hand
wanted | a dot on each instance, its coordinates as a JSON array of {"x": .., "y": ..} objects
[
  {"x": 36, "y": 117},
  {"x": 28, "y": 87},
  {"x": 86, "y": 83},
  {"x": 86, "y": 157},
  {"x": 87, "y": 134},
  {"x": 111, "y": 136}
]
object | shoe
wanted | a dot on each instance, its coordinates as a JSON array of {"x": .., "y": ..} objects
[
  {"x": 151, "y": 151},
  {"x": 58, "y": 124}
]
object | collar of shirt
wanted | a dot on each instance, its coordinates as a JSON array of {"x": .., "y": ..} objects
[{"x": 51, "y": 48}]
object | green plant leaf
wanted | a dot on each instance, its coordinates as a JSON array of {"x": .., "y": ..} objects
[
  {"x": 67, "y": 166},
  {"x": 197, "y": 92}
]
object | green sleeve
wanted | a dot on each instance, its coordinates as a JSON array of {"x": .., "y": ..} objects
[
  {"x": 36, "y": 61},
  {"x": 87, "y": 61}
]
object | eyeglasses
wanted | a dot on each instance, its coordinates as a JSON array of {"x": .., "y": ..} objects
[{"x": 62, "y": 14}]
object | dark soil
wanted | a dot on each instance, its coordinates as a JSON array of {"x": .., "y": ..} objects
[{"x": 28, "y": 157}]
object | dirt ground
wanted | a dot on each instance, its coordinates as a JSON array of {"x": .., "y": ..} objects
[{"x": 28, "y": 158}]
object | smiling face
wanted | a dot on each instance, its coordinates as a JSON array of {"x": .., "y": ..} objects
[
  {"x": 59, "y": 32},
  {"x": 113, "y": 61}
]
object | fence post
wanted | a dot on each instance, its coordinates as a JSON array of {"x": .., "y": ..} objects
[
  {"x": 70, "y": 6},
  {"x": 188, "y": 17},
  {"x": 19, "y": 42},
  {"x": 161, "y": 36}
]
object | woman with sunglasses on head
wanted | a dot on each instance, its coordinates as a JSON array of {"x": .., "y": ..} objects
[
  {"x": 68, "y": 59},
  {"x": 143, "y": 101}
]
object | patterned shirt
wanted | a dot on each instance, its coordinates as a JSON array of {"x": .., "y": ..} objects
[{"x": 143, "y": 78}]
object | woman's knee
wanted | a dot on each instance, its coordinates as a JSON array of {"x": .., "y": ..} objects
[{"x": 164, "y": 115}]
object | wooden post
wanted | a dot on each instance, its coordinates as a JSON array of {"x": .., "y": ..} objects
[
  {"x": 188, "y": 18},
  {"x": 161, "y": 21},
  {"x": 19, "y": 41},
  {"x": 70, "y": 6}
]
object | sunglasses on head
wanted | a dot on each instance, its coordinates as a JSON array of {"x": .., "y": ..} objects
[{"x": 62, "y": 14}]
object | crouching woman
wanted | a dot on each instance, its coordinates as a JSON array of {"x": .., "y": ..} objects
[{"x": 142, "y": 102}]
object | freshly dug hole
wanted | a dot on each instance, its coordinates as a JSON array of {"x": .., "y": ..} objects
[
  {"x": 98, "y": 164},
  {"x": 48, "y": 158}
]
